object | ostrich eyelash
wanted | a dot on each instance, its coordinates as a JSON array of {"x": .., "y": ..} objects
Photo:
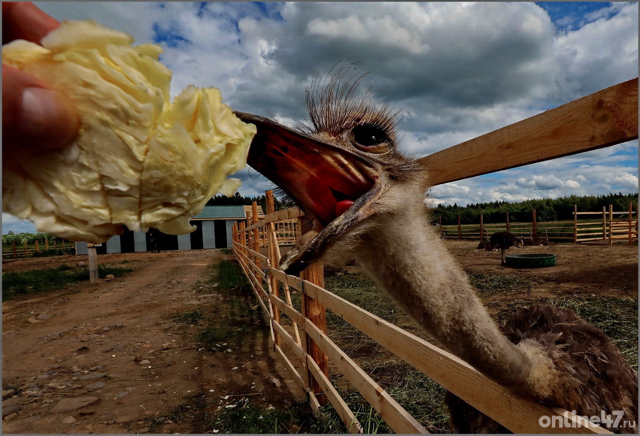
[{"x": 335, "y": 105}]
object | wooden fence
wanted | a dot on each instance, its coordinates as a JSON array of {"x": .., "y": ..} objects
[
  {"x": 613, "y": 225},
  {"x": 608, "y": 229},
  {"x": 602, "y": 119},
  {"x": 25, "y": 250},
  {"x": 305, "y": 349}
]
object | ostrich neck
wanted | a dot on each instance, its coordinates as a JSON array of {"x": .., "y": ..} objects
[{"x": 406, "y": 256}]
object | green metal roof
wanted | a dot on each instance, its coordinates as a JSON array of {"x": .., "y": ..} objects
[{"x": 221, "y": 212}]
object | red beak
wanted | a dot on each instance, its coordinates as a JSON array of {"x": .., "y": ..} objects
[{"x": 324, "y": 180}]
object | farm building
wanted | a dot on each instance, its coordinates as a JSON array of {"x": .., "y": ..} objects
[{"x": 213, "y": 230}]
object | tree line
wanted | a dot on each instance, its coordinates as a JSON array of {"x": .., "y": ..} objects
[
  {"x": 238, "y": 200},
  {"x": 547, "y": 209},
  {"x": 29, "y": 238}
]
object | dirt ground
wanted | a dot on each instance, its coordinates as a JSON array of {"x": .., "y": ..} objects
[
  {"x": 116, "y": 347},
  {"x": 596, "y": 269}
]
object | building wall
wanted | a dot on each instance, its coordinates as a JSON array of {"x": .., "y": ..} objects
[
  {"x": 113, "y": 244},
  {"x": 208, "y": 234},
  {"x": 184, "y": 242},
  {"x": 140, "y": 242},
  {"x": 205, "y": 239},
  {"x": 229, "y": 240}
]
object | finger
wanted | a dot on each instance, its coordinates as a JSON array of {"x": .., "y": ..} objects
[
  {"x": 23, "y": 20},
  {"x": 34, "y": 115}
]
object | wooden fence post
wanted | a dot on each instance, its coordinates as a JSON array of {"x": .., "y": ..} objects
[
  {"x": 481, "y": 227},
  {"x": 604, "y": 223},
  {"x": 508, "y": 226},
  {"x": 611, "y": 224},
  {"x": 234, "y": 234},
  {"x": 55, "y": 244},
  {"x": 46, "y": 244},
  {"x": 256, "y": 232},
  {"x": 534, "y": 237},
  {"x": 37, "y": 248},
  {"x": 15, "y": 250},
  {"x": 93, "y": 263},
  {"x": 26, "y": 251},
  {"x": 314, "y": 312},
  {"x": 575, "y": 223},
  {"x": 459, "y": 229},
  {"x": 630, "y": 221},
  {"x": 243, "y": 237},
  {"x": 273, "y": 260}
]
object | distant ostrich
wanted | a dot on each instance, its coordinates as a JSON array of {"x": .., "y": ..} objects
[
  {"x": 360, "y": 195},
  {"x": 484, "y": 245},
  {"x": 504, "y": 241}
]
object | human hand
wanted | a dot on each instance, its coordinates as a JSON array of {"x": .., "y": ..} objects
[{"x": 33, "y": 114}]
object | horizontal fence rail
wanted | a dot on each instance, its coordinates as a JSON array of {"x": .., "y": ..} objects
[{"x": 602, "y": 119}]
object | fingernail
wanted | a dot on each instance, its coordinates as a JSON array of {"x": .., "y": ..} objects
[{"x": 47, "y": 120}]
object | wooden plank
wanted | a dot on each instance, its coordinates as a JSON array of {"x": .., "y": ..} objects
[
  {"x": 393, "y": 413},
  {"x": 253, "y": 281},
  {"x": 253, "y": 266},
  {"x": 254, "y": 289},
  {"x": 258, "y": 255},
  {"x": 293, "y": 314},
  {"x": 348, "y": 418},
  {"x": 602, "y": 119},
  {"x": 295, "y": 348},
  {"x": 284, "y": 214},
  {"x": 519, "y": 415},
  {"x": 294, "y": 373}
]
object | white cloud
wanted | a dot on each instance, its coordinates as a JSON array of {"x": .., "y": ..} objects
[{"x": 456, "y": 70}]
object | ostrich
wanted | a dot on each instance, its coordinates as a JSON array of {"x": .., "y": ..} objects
[
  {"x": 363, "y": 198},
  {"x": 504, "y": 241}
]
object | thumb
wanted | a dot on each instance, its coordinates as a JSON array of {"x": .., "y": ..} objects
[{"x": 34, "y": 115}]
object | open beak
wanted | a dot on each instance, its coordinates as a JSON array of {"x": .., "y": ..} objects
[{"x": 334, "y": 187}]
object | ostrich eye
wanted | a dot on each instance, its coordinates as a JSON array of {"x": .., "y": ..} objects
[{"x": 370, "y": 137}]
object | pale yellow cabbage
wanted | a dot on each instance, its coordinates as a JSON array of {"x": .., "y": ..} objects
[{"x": 139, "y": 160}]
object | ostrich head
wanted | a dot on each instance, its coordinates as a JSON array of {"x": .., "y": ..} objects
[{"x": 343, "y": 167}]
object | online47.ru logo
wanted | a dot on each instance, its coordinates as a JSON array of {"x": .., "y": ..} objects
[{"x": 614, "y": 420}]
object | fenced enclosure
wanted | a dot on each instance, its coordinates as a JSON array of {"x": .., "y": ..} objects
[
  {"x": 37, "y": 248},
  {"x": 621, "y": 226},
  {"x": 602, "y": 119}
]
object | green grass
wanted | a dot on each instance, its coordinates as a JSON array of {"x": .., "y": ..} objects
[
  {"x": 231, "y": 277},
  {"x": 41, "y": 280},
  {"x": 419, "y": 395},
  {"x": 490, "y": 283},
  {"x": 191, "y": 318},
  {"x": 245, "y": 418}
]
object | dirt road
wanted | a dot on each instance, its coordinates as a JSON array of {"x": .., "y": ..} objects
[{"x": 110, "y": 358}]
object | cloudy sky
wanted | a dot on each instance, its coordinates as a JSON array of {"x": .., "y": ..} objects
[{"x": 456, "y": 71}]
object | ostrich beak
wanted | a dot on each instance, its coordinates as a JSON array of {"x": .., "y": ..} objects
[{"x": 331, "y": 185}]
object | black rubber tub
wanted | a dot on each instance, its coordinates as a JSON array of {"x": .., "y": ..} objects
[{"x": 530, "y": 260}]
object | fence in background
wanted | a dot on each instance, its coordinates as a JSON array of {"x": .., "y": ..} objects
[
  {"x": 15, "y": 250},
  {"x": 623, "y": 228}
]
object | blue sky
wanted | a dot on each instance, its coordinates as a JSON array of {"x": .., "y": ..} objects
[{"x": 455, "y": 70}]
